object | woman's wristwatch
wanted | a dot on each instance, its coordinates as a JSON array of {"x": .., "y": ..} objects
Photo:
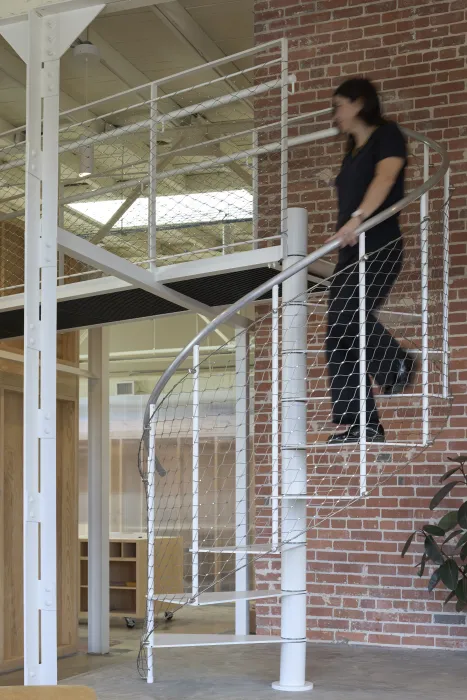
[{"x": 358, "y": 214}]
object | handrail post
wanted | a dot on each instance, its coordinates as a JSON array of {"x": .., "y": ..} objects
[
  {"x": 362, "y": 360},
  {"x": 255, "y": 188},
  {"x": 195, "y": 478},
  {"x": 275, "y": 418},
  {"x": 424, "y": 269},
  {"x": 151, "y": 489},
  {"x": 447, "y": 195},
  {"x": 284, "y": 144}
]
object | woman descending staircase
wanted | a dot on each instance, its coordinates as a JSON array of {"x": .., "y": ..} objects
[{"x": 235, "y": 454}]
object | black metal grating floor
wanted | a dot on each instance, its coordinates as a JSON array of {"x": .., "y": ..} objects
[{"x": 133, "y": 304}]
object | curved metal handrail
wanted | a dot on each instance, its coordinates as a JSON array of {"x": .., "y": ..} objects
[{"x": 329, "y": 247}]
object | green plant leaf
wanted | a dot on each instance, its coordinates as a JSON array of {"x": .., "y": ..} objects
[
  {"x": 432, "y": 550},
  {"x": 462, "y": 540},
  {"x": 459, "y": 458},
  {"x": 454, "y": 533},
  {"x": 422, "y": 564},
  {"x": 460, "y": 605},
  {"x": 449, "y": 574},
  {"x": 449, "y": 473},
  {"x": 462, "y": 516},
  {"x": 463, "y": 552},
  {"x": 448, "y": 521},
  {"x": 408, "y": 543},
  {"x": 434, "y": 530},
  {"x": 442, "y": 493},
  {"x": 434, "y": 579},
  {"x": 449, "y": 597},
  {"x": 461, "y": 590}
]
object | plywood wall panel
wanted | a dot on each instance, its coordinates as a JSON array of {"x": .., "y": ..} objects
[
  {"x": 12, "y": 525},
  {"x": 67, "y": 520}
]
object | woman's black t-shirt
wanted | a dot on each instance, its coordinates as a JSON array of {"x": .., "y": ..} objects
[{"x": 356, "y": 175}]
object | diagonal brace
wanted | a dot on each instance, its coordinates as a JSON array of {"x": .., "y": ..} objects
[{"x": 112, "y": 264}]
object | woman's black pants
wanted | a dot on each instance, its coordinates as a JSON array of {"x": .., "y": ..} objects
[{"x": 383, "y": 352}]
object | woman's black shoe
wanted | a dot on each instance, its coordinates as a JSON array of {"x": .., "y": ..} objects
[
  {"x": 403, "y": 377},
  {"x": 374, "y": 433}
]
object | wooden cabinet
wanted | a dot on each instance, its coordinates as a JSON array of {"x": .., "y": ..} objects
[{"x": 128, "y": 574}]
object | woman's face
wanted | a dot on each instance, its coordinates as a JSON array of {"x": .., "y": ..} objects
[{"x": 346, "y": 113}]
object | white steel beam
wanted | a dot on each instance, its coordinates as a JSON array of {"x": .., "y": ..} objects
[
  {"x": 117, "y": 64},
  {"x": 233, "y": 262},
  {"x": 192, "y": 35},
  {"x": 13, "y": 9},
  {"x": 171, "y": 273},
  {"x": 93, "y": 255},
  {"x": 123, "y": 69},
  {"x": 115, "y": 6}
]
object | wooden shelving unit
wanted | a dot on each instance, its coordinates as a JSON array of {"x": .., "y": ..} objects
[{"x": 128, "y": 574}]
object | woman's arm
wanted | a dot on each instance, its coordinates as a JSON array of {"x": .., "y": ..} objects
[{"x": 386, "y": 174}]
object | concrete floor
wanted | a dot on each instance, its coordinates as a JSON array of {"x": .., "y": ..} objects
[
  {"x": 237, "y": 673},
  {"x": 125, "y": 643},
  {"x": 338, "y": 672}
]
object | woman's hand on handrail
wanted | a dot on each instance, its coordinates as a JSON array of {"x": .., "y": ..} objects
[{"x": 347, "y": 235}]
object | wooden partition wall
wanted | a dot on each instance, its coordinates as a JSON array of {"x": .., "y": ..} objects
[
  {"x": 11, "y": 478},
  {"x": 11, "y": 511}
]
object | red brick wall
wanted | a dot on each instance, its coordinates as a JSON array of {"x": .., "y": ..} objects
[{"x": 360, "y": 590}]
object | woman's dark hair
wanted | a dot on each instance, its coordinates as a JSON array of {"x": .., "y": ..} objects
[{"x": 364, "y": 90}]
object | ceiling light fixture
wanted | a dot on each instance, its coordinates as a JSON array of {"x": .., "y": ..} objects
[{"x": 86, "y": 51}]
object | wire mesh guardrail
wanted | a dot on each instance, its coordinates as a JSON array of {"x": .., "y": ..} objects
[{"x": 167, "y": 172}]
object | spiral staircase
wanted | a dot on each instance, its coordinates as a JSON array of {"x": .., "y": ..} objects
[{"x": 244, "y": 511}]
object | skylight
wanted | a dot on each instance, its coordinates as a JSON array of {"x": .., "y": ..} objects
[{"x": 174, "y": 209}]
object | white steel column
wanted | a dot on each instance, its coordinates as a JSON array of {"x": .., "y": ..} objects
[
  {"x": 242, "y": 421},
  {"x": 294, "y": 461},
  {"x": 98, "y": 491},
  {"x": 152, "y": 194},
  {"x": 362, "y": 359},
  {"x": 32, "y": 347},
  {"x": 41, "y": 41},
  {"x": 151, "y": 487},
  {"x": 48, "y": 360},
  {"x": 447, "y": 196},
  {"x": 424, "y": 229}
]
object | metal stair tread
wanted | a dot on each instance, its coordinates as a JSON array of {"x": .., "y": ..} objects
[
  {"x": 168, "y": 640},
  {"x": 217, "y": 598},
  {"x": 302, "y": 497},
  {"x": 346, "y": 446},
  {"x": 240, "y": 549}
]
